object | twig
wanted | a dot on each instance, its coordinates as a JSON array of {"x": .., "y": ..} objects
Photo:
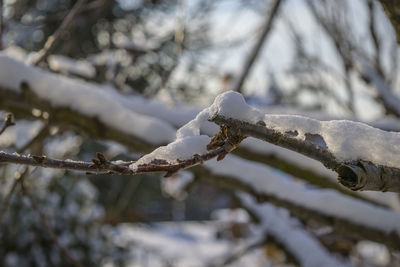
[
  {"x": 101, "y": 165},
  {"x": 254, "y": 53},
  {"x": 8, "y": 121},
  {"x": 49, "y": 229},
  {"x": 336, "y": 27},
  {"x": 5, "y": 203},
  {"x": 55, "y": 37},
  {"x": 97, "y": 166}
]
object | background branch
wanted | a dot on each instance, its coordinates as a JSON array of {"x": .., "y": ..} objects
[
  {"x": 392, "y": 10},
  {"x": 8, "y": 121},
  {"x": 43, "y": 221},
  {"x": 255, "y": 51},
  {"x": 55, "y": 37}
]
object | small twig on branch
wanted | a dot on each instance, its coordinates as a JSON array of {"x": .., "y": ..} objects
[
  {"x": 55, "y": 37},
  {"x": 98, "y": 165},
  {"x": 8, "y": 121},
  {"x": 101, "y": 165},
  {"x": 254, "y": 53},
  {"x": 43, "y": 221}
]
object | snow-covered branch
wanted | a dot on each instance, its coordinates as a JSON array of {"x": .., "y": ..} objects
[
  {"x": 355, "y": 174},
  {"x": 289, "y": 232}
]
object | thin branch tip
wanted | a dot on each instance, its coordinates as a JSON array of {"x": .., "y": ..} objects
[{"x": 8, "y": 122}]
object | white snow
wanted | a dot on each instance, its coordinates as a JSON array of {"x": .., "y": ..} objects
[
  {"x": 64, "y": 64},
  {"x": 85, "y": 98},
  {"x": 347, "y": 140},
  {"x": 181, "y": 244},
  {"x": 266, "y": 180},
  {"x": 278, "y": 223},
  {"x": 188, "y": 142},
  {"x": 180, "y": 149},
  {"x": 188, "y": 139},
  {"x": 175, "y": 186}
]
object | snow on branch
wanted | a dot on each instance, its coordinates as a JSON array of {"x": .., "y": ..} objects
[
  {"x": 81, "y": 98},
  {"x": 352, "y": 217},
  {"x": 288, "y": 232},
  {"x": 365, "y": 158},
  {"x": 356, "y": 174}
]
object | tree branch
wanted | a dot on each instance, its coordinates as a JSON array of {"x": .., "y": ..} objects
[
  {"x": 101, "y": 165},
  {"x": 384, "y": 93},
  {"x": 356, "y": 175},
  {"x": 254, "y": 53},
  {"x": 55, "y": 37},
  {"x": 299, "y": 171},
  {"x": 8, "y": 121},
  {"x": 261, "y": 132}
]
